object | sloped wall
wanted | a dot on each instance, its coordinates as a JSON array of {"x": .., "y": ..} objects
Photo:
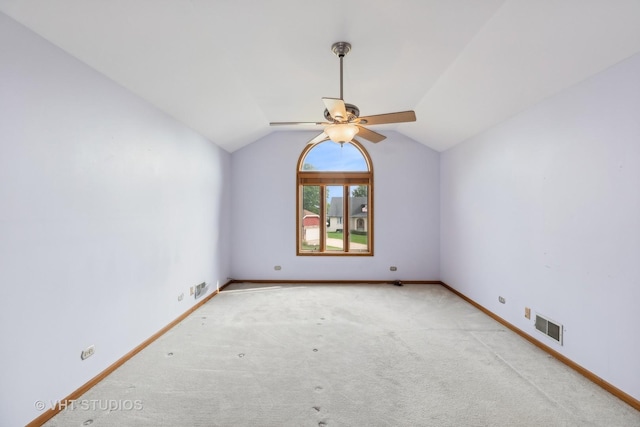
[
  {"x": 544, "y": 210},
  {"x": 109, "y": 210}
]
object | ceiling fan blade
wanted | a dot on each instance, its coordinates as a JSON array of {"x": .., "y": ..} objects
[
  {"x": 336, "y": 108},
  {"x": 322, "y": 137},
  {"x": 380, "y": 119},
  {"x": 299, "y": 123},
  {"x": 369, "y": 134}
]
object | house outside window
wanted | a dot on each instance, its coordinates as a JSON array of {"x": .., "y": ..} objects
[{"x": 334, "y": 200}]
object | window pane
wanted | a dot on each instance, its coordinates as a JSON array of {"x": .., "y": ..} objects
[
  {"x": 335, "y": 205},
  {"x": 310, "y": 218},
  {"x": 358, "y": 218},
  {"x": 329, "y": 156}
]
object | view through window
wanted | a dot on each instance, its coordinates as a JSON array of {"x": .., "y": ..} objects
[{"x": 335, "y": 200}]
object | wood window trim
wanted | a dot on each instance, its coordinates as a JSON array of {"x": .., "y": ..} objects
[{"x": 334, "y": 178}]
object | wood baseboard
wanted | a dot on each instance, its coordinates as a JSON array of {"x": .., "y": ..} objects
[
  {"x": 630, "y": 400},
  {"x": 47, "y": 415},
  {"x": 337, "y": 282}
]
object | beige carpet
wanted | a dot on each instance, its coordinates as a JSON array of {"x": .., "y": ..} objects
[{"x": 344, "y": 355}]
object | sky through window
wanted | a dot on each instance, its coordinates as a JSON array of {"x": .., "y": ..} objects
[{"x": 329, "y": 156}]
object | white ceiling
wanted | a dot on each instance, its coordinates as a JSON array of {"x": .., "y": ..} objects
[{"x": 226, "y": 68}]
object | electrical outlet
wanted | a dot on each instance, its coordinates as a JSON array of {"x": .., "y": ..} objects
[
  {"x": 192, "y": 290},
  {"x": 180, "y": 296},
  {"x": 393, "y": 268},
  {"x": 527, "y": 312},
  {"x": 277, "y": 268},
  {"x": 502, "y": 300},
  {"x": 88, "y": 352}
]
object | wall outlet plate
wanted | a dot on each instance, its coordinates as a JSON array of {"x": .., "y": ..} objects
[
  {"x": 88, "y": 352},
  {"x": 502, "y": 300},
  {"x": 393, "y": 268}
]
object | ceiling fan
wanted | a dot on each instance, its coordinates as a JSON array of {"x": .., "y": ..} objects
[{"x": 343, "y": 120}]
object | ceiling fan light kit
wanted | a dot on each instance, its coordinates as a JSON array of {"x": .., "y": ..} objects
[
  {"x": 341, "y": 133},
  {"x": 343, "y": 120}
]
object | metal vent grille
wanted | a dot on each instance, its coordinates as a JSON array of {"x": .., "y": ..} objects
[
  {"x": 200, "y": 290},
  {"x": 549, "y": 327}
]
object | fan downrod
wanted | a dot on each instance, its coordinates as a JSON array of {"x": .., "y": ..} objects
[{"x": 341, "y": 49}]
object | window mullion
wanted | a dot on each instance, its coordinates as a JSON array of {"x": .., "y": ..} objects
[
  {"x": 345, "y": 218},
  {"x": 323, "y": 220}
]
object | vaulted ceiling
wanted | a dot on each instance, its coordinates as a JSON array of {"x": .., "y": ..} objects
[{"x": 227, "y": 68}]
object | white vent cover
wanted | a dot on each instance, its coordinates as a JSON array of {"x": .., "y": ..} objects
[{"x": 549, "y": 327}]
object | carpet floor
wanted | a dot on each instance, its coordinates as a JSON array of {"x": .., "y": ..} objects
[{"x": 344, "y": 355}]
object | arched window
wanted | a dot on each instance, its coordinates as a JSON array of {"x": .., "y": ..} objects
[{"x": 334, "y": 200}]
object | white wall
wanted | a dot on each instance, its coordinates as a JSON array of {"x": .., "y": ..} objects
[
  {"x": 109, "y": 210},
  {"x": 544, "y": 210},
  {"x": 406, "y": 198}
]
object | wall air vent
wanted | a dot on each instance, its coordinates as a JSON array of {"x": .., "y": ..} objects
[
  {"x": 549, "y": 327},
  {"x": 201, "y": 289}
]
